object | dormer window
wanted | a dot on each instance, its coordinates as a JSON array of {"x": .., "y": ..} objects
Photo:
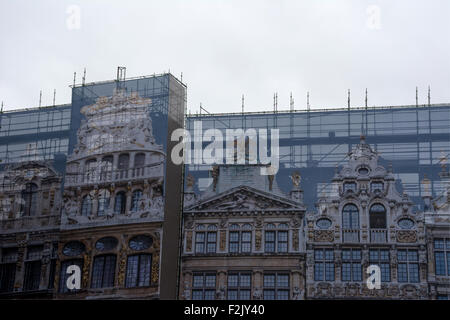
[
  {"x": 350, "y": 186},
  {"x": 374, "y": 186}
]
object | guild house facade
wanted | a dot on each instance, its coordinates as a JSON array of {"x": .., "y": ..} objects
[{"x": 90, "y": 185}]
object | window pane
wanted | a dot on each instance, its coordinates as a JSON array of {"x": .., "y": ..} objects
[
  {"x": 346, "y": 272},
  {"x": 283, "y": 295},
  {"x": 198, "y": 281},
  {"x": 412, "y": 255},
  {"x": 385, "y": 272},
  {"x": 402, "y": 272},
  {"x": 329, "y": 255},
  {"x": 401, "y": 255},
  {"x": 144, "y": 270},
  {"x": 357, "y": 272},
  {"x": 245, "y": 280},
  {"x": 210, "y": 281},
  {"x": 132, "y": 271},
  {"x": 233, "y": 280},
  {"x": 283, "y": 280},
  {"x": 269, "y": 280},
  {"x": 413, "y": 272},
  {"x": 329, "y": 271},
  {"x": 318, "y": 271},
  {"x": 440, "y": 263},
  {"x": 269, "y": 294}
]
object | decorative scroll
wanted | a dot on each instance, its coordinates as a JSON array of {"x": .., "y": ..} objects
[
  {"x": 189, "y": 241},
  {"x": 223, "y": 240},
  {"x": 295, "y": 241},
  {"x": 323, "y": 236},
  {"x": 155, "y": 268},
  {"x": 258, "y": 240},
  {"x": 406, "y": 236}
]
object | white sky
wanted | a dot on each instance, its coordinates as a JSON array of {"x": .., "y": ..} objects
[{"x": 228, "y": 48}]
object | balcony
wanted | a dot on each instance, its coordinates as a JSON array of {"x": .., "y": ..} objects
[
  {"x": 350, "y": 235},
  {"x": 378, "y": 235},
  {"x": 118, "y": 175}
]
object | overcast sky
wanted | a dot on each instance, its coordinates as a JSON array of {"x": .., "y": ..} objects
[{"x": 228, "y": 48}]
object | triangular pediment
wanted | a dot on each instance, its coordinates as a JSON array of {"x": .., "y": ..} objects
[{"x": 244, "y": 198}]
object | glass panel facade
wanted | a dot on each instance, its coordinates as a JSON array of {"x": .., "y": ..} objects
[{"x": 412, "y": 139}]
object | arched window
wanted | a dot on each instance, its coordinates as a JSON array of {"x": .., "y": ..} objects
[
  {"x": 377, "y": 214},
  {"x": 136, "y": 196},
  {"x": 86, "y": 205},
  {"x": 120, "y": 202},
  {"x": 103, "y": 201},
  {"x": 139, "y": 163},
  {"x": 103, "y": 271},
  {"x": 106, "y": 168},
  {"x": 124, "y": 164},
  {"x": 350, "y": 217},
  {"x": 29, "y": 199}
]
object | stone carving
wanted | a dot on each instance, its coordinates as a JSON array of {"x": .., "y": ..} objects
[
  {"x": 297, "y": 294},
  {"x": 215, "y": 176},
  {"x": 296, "y": 179},
  {"x": 155, "y": 268},
  {"x": 323, "y": 236},
  {"x": 223, "y": 240},
  {"x": 220, "y": 294},
  {"x": 258, "y": 239},
  {"x": 187, "y": 291},
  {"x": 295, "y": 239},
  {"x": 189, "y": 241},
  {"x": 406, "y": 236},
  {"x": 238, "y": 202},
  {"x": 190, "y": 182},
  {"x": 257, "y": 294}
]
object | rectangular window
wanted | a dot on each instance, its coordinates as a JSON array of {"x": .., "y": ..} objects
[
  {"x": 351, "y": 265},
  {"x": 269, "y": 241},
  {"x": 7, "y": 277},
  {"x": 205, "y": 240},
  {"x": 199, "y": 242},
  {"x": 233, "y": 242},
  {"x": 240, "y": 241},
  {"x": 282, "y": 241},
  {"x": 276, "y": 241},
  {"x": 103, "y": 271},
  {"x": 376, "y": 186},
  {"x": 203, "y": 286},
  {"x": 408, "y": 266},
  {"x": 32, "y": 275},
  {"x": 380, "y": 257},
  {"x": 239, "y": 286},
  {"x": 246, "y": 241},
  {"x": 138, "y": 270},
  {"x": 442, "y": 256},
  {"x": 211, "y": 242},
  {"x": 350, "y": 186},
  {"x": 323, "y": 265},
  {"x": 276, "y": 286}
]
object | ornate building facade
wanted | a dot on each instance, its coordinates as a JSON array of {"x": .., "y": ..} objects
[
  {"x": 111, "y": 225},
  {"x": 366, "y": 221},
  {"x": 29, "y": 229},
  {"x": 437, "y": 223},
  {"x": 242, "y": 237}
]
